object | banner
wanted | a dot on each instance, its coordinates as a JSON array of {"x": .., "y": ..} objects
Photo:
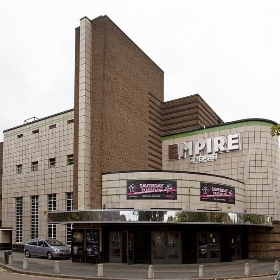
[
  {"x": 152, "y": 189},
  {"x": 217, "y": 193}
]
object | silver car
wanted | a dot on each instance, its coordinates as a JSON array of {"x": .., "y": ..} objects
[{"x": 49, "y": 248}]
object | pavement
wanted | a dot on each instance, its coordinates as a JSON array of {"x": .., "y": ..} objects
[{"x": 67, "y": 269}]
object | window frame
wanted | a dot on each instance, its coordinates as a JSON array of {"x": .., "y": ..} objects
[
  {"x": 19, "y": 168},
  {"x": 52, "y": 162},
  {"x": 70, "y": 159},
  {"x": 34, "y": 166}
]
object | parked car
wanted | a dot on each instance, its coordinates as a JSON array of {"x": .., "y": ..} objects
[
  {"x": 49, "y": 248},
  {"x": 277, "y": 276}
]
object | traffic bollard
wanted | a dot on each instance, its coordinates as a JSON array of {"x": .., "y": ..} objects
[
  {"x": 201, "y": 271},
  {"x": 11, "y": 260},
  {"x": 246, "y": 272},
  {"x": 151, "y": 274},
  {"x": 25, "y": 263},
  {"x": 276, "y": 266},
  {"x": 56, "y": 268},
  {"x": 100, "y": 270}
]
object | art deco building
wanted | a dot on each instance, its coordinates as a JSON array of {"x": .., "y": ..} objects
[{"x": 139, "y": 179}]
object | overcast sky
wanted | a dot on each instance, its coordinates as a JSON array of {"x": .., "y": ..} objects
[{"x": 226, "y": 51}]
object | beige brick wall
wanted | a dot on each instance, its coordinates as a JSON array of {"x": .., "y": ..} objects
[
  {"x": 256, "y": 164},
  {"x": 122, "y": 81},
  {"x": 188, "y": 192},
  {"x": 48, "y": 143}
]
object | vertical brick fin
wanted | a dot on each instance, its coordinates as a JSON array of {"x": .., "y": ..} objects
[
  {"x": 85, "y": 107},
  {"x": 155, "y": 133},
  {"x": 76, "y": 118}
]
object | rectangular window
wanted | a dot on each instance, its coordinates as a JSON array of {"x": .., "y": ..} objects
[
  {"x": 52, "y": 231},
  {"x": 19, "y": 219},
  {"x": 34, "y": 166},
  {"x": 70, "y": 121},
  {"x": 70, "y": 159},
  {"x": 35, "y": 131},
  {"x": 69, "y": 201},
  {"x": 68, "y": 233},
  {"x": 20, "y": 135},
  {"x": 52, "y": 126},
  {"x": 51, "y": 202},
  {"x": 52, "y": 163},
  {"x": 69, "y": 207},
  {"x": 51, "y": 208},
  {"x": 34, "y": 216},
  {"x": 19, "y": 169}
]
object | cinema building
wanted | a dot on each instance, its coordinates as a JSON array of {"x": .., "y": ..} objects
[{"x": 150, "y": 181}]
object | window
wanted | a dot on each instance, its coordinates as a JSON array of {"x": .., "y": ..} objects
[
  {"x": 34, "y": 166},
  {"x": 20, "y": 135},
  {"x": 69, "y": 201},
  {"x": 19, "y": 169},
  {"x": 35, "y": 131},
  {"x": 52, "y": 126},
  {"x": 70, "y": 121},
  {"x": 51, "y": 202},
  {"x": 34, "y": 216},
  {"x": 52, "y": 163},
  {"x": 70, "y": 159},
  {"x": 52, "y": 231},
  {"x": 19, "y": 219},
  {"x": 51, "y": 208},
  {"x": 69, "y": 207}
]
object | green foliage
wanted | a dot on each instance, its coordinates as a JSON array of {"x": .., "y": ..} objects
[{"x": 275, "y": 130}]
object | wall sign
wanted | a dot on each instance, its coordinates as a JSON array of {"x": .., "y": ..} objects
[
  {"x": 152, "y": 189},
  {"x": 217, "y": 193},
  {"x": 205, "y": 149}
]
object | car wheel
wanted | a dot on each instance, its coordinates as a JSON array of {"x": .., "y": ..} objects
[
  {"x": 27, "y": 254},
  {"x": 49, "y": 256}
]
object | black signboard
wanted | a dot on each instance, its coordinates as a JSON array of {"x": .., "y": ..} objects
[
  {"x": 152, "y": 189},
  {"x": 217, "y": 193}
]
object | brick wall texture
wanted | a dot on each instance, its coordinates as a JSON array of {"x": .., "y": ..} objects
[
  {"x": 264, "y": 243},
  {"x": 128, "y": 112}
]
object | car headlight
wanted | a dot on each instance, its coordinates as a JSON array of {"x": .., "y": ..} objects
[{"x": 56, "y": 250}]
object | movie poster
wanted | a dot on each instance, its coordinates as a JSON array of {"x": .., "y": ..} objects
[
  {"x": 152, "y": 189},
  {"x": 217, "y": 193}
]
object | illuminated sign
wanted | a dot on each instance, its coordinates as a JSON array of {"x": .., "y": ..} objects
[{"x": 205, "y": 149}]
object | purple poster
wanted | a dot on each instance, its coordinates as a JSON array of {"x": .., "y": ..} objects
[
  {"x": 152, "y": 189},
  {"x": 217, "y": 193}
]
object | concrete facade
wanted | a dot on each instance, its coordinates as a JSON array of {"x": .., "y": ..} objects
[{"x": 38, "y": 141}]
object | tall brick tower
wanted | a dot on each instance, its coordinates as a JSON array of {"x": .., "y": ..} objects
[{"x": 118, "y": 102}]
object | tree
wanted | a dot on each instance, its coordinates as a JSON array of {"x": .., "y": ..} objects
[{"x": 275, "y": 130}]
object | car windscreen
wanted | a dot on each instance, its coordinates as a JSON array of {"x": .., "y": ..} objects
[{"x": 54, "y": 242}]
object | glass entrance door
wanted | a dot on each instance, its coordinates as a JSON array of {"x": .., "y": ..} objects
[
  {"x": 208, "y": 247},
  {"x": 236, "y": 246},
  {"x": 130, "y": 248},
  {"x": 115, "y": 255},
  {"x": 166, "y": 247}
]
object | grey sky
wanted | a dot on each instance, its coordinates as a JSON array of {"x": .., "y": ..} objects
[{"x": 227, "y": 51}]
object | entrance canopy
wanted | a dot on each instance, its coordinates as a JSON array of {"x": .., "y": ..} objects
[{"x": 158, "y": 217}]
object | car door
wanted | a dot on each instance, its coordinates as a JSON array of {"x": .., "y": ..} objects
[
  {"x": 32, "y": 247},
  {"x": 42, "y": 248}
]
